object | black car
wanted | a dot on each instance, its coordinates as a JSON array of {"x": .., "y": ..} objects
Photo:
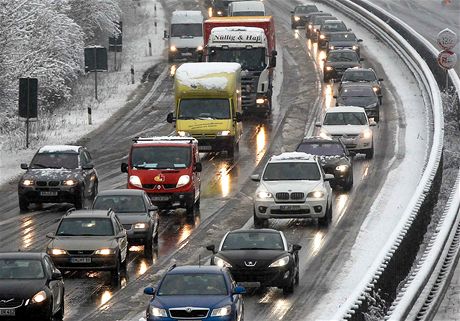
[
  {"x": 363, "y": 75},
  {"x": 260, "y": 257},
  {"x": 328, "y": 28},
  {"x": 337, "y": 61},
  {"x": 317, "y": 22},
  {"x": 300, "y": 13},
  {"x": 334, "y": 157},
  {"x": 361, "y": 95},
  {"x": 58, "y": 174},
  {"x": 309, "y": 22},
  {"x": 31, "y": 288},
  {"x": 343, "y": 40},
  {"x": 137, "y": 214}
]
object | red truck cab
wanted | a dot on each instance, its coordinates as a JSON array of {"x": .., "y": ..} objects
[{"x": 168, "y": 169}]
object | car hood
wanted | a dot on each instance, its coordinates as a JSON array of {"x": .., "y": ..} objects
[
  {"x": 49, "y": 174},
  {"x": 343, "y": 64},
  {"x": 295, "y": 186},
  {"x": 178, "y": 301},
  {"x": 130, "y": 218},
  {"x": 261, "y": 258},
  {"x": 83, "y": 243},
  {"x": 357, "y": 101},
  {"x": 24, "y": 289},
  {"x": 344, "y": 129}
]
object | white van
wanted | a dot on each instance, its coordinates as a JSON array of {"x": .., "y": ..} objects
[
  {"x": 185, "y": 35},
  {"x": 246, "y": 8}
]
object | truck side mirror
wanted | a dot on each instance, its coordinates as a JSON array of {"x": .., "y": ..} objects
[
  {"x": 198, "y": 167},
  {"x": 273, "y": 61},
  {"x": 238, "y": 117},
  {"x": 170, "y": 118},
  {"x": 165, "y": 34},
  {"x": 124, "y": 167}
]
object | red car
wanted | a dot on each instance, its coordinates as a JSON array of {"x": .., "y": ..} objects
[{"x": 168, "y": 169}]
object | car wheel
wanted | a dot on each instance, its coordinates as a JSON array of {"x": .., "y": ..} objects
[
  {"x": 259, "y": 222},
  {"x": 115, "y": 273},
  {"x": 190, "y": 208},
  {"x": 377, "y": 118},
  {"x": 297, "y": 276},
  {"x": 380, "y": 100},
  {"x": 233, "y": 150},
  {"x": 289, "y": 288},
  {"x": 293, "y": 26},
  {"x": 324, "y": 221},
  {"x": 326, "y": 79},
  {"x": 197, "y": 203},
  {"x": 148, "y": 248},
  {"x": 95, "y": 190},
  {"x": 79, "y": 200},
  {"x": 60, "y": 314},
  {"x": 155, "y": 238},
  {"x": 349, "y": 182},
  {"x": 370, "y": 152},
  {"x": 23, "y": 204}
]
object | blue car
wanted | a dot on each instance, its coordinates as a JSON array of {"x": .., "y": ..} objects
[{"x": 196, "y": 293}]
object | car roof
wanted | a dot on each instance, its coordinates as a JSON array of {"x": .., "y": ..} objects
[
  {"x": 169, "y": 140},
  {"x": 22, "y": 255},
  {"x": 88, "y": 214},
  {"x": 319, "y": 139},
  {"x": 292, "y": 157},
  {"x": 357, "y": 85},
  {"x": 332, "y": 21},
  {"x": 345, "y": 109},
  {"x": 122, "y": 191},
  {"x": 191, "y": 269},
  {"x": 59, "y": 149},
  {"x": 360, "y": 69},
  {"x": 265, "y": 230},
  {"x": 342, "y": 50}
]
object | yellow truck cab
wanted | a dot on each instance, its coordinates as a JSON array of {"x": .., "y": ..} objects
[{"x": 208, "y": 105}]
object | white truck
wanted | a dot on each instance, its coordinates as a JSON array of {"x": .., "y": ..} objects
[
  {"x": 185, "y": 35},
  {"x": 249, "y": 47}
]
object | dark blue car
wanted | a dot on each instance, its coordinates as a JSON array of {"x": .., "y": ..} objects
[{"x": 196, "y": 293}]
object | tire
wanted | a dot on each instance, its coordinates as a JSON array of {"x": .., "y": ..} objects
[
  {"x": 155, "y": 239},
  {"x": 370, "y": 152},
  {"x": 60, "y": 314},
  {"x": 326, "y": 79},
  {"x": 48, "y": 315},
  {"x": 79, "y": 200},
  {"x": 293, "y": 26},
  {"x": 297, "y": 277},
  {"x": 324, "y": 221},
  {"x": 233, "y": 149},
  {"x": 259, "y": 222},
  {"x": 115, "y": 274},
  {"x": 349, "y": 182},
  {"x": 23, "y": 204},
  {"x": 289, "y": 288},
  {"x": 148, "y": 248},
  {"x": 95, "y": 190},
  {"x": 190, "y": 208},
  {"x": 380, "y": 100},
  {"x": 377, "y": 118}
]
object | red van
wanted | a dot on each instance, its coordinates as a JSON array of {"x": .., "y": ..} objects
[{"x": 168, "y": 169}]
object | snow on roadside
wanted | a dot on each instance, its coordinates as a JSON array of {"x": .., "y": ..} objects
[{"x": 69, "y": 123}]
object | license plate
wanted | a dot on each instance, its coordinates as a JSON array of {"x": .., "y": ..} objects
[
  {"x": 187, "y": 54},
  {"x": 48, "y": 193},
  {"x": 160, "y": 198},
  {"x": 80, "y": 260},
  {"x": 8, "y": 312},
  {"x": 204, "y": 147},
  {"x": 250, "y": 284},
  {"x": 289, "y": 207}
]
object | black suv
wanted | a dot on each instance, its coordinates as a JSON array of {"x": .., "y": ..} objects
[
  {"x": 363, "y": 75},
  {"x": 339, "y": 60},
  {"x": 334, "y": 157},
  {"x": 58, "y": 174}
]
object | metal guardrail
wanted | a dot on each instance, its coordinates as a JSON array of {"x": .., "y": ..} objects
[{"x": 375, "y": 294}]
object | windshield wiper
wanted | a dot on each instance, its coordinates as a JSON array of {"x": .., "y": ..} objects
[
  {"x": 254, "y": 248},
  {"x": 40, "y": 165}
]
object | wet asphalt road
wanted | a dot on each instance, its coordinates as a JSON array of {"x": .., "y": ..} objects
[{"x": 226, "y": 200}]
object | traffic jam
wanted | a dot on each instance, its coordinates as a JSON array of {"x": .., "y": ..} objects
[{"x": 234, "y": 190}]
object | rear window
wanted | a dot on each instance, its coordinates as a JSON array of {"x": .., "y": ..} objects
[
  {"x": 160, "y": 157},
  {"x": 342, "y": 37},
  {"x": 335, "y": 56},
  {"x": 357, "y": 92}
]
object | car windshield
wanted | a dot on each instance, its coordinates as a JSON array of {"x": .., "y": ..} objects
[
  {"x": 305, "y": 9},
  {"x": 311, "y": 17},
  {"x": 204, "y": 109},
  {"x": 249, "y": 59},
  {"x": 322, "y": 149},
  {"x": 335, "y": 56},
  {"x": 160, "y": 157},
  {"x": 11, "y": 269},
  {"x": 357, "y": 92},
  {"x": 359, "y": 75},
  {"x": 55, "y": 160},
  {"x": 319, "y": 20},
  {"x": 193, "y": 284},
  {"x": 120, "y": 203},
  {"x": 253, "y": 241},
  {"x": 342, "y": 37},
  {"x": 186, "y": 30},
  {"x": 291, "y": 171},
  {"x": 85, "y": 227},
  {"x": 248, "y": 13},
  {"x": 345, "y": 118},
  {"x": 334, "y": 27}
]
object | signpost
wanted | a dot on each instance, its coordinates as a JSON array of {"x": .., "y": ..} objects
[
  {"x": 28, "y": 92},
  {"x": 446, "y": 40},
  {"x": 95, "y": 60}
]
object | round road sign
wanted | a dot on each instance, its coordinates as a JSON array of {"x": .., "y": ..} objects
[
  {"x": 447, "y": 59},
  {"x": 447, "y": 39}
]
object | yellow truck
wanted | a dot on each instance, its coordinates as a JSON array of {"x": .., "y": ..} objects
[{"x": 208, "y": 105}]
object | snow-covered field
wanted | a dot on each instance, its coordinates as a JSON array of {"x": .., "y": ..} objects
[{"x": 70, "y": 122}]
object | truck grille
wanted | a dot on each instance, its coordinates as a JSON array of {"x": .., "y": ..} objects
[
  {"x": 189, "y": 313},
  {"x": 249, "y": 90}
]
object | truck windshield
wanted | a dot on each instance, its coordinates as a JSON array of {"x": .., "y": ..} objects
[
  {"x": 155, "y": 157},
  {"x": 186, "y": 30},
  {"x": 204, "y": 108},
  {"x": 249, "y": 59},
  {"x": 248, "y": 13}
]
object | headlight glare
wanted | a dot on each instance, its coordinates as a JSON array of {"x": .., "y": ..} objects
[
  {"x": 331, "y": 47},
  {"x": 329, "y": 68},
  {"x": 183, "y": 180},
  {"x": 280, "y": 262},
  {"x": 367, "y": 133},
  {"x": 135, "y": 180},
  {"x": 69, "y": 182},
  {"x": 39, "y": 297},
  {"x": 223, "y": 133},
  {"x": 57, "y": 252},
  {"x": 315, "y": 194},
  {"x": 342, "y": 168},
  {"x": 222, "y": 312},
  {"x": 199, "y": 48},
  {"x": 182, "y": 133},
  {"x": 140, "y": 225},
  {"x": 324, "y": 134},
  {"x": 221, "y": 262},
  {"x": 104, "y": 252},
  {"x": 157, "y": 312},
  {"x": 173, "y": 48},
  {"x": 264, "y": 194},
  {"x": 260, "y": 101},
  {"x": 27, "y": 182},
  {"x": 354, "y": 47},
  {"x": 322, "y": 37},
  {"x": 375, "y": 88},
  {"x": 296, "y": 18}
]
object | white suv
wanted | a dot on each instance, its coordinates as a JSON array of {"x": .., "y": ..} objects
[
  {"x": 351, "y": 125},
  {"x": 293, "y": 185}
]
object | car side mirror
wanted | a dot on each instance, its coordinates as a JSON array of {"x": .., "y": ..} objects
[
  {"x": 56, "y": 275},
  {"x": 361, "y": 59},
  {"x": 50, "y": 235},
  {"x": 24, "y": 166},
  {"x": 352, "y": 153},
  {"x": 335, "y": 96},
  {"x": 212, "y": 248},
  {"x": 170, "y": 118},
  {"x": 88, "y": 166},
  {"x": 255, "y": 177},
  {"x": 318, "y": 124},
  {"x": 165, "y": 34},
  {"x": 120, "y": 235},
  {"x": 328, "y": 177},
  {"x": 292, "y": 12},
  {"x": 239, "y": 290},
  {"x": 153, "y": 208},
  {"x": 372, "y": 123},
  {"x": 273, "y": 61},
  {"x": 149, "y": 291},
  {"x": 381, "y": 79},
  {"x": 296, "y": 248},
  {"x": 359, "y": 40},
  {"x": 124, "y": 167},
  {"x": 238, "y": 117},
  {"x": 349, "y": 29},
  {"x": 198, "y": 167}
]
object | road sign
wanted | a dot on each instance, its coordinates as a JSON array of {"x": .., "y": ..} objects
[
  {"x": 447, "y": 59},
  {"x": 447, "y": 39}
]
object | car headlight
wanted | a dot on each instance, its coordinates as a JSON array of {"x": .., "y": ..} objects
[
  {"x": 135, "y": 180},
  {"x": 221, "y": 262},
  {"x": 183, "y": 180},
  {"x": 140, "y": 226},
  {"x": 27, "y": 182},
  {"x": 329, "y": 68},
  {"x": 342, "y": 168},
  {"x": 69, "y": 182},
  {"x": 39, "y": 297},
  {"x": 324, "y": 134},
  {"x": 260, "y": 101},
  {"x": 371, "y": 105},
  {"x": 280, "y": 262},
  {"x": 104, "y": 252},
  {"x": 310, "y": 26},
  {"x": 182, "y": 133},
  {"x": 57, "y": 252},
  {"x": 222, "y": 312},
  {"x": 173, "y": 48},
  {"x": 158, "y": 312},
  {"x": 219, "y": 13},
  {"x": 315, "y": 194},
  {"x": 375, "y": 88},
  {"x": 296, "y": 18},
  {"x": 264, "y": 195},
  {"x": 322, "y": 37},
  {"x": 367, "y": 133},
  {"x": 199, "y": 48},
  {"x": 223, "y": 133},
  {"x": 355, "y": 47},
  {"x": 331, "y": 47}
]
